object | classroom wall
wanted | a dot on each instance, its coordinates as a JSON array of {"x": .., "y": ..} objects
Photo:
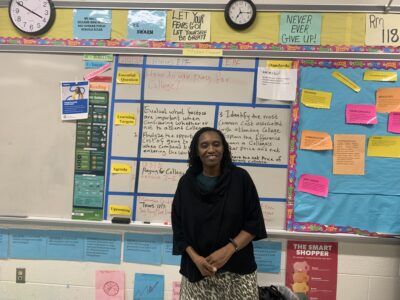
[{"x": 366, "y": 271}]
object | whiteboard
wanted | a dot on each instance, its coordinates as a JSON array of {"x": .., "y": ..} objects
[
  {"x": 175, "y": 97},
  {"x": 37, "y": 152}
]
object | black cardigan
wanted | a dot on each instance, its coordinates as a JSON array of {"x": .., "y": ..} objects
[{"x": 206, "y": 221}]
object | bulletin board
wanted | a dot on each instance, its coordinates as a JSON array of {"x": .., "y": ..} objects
[
  {"x": 363, "y": 204},
  {"x": 176, "y": 96}
]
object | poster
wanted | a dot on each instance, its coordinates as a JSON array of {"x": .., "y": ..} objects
[
  {"x": 311, "y": 269},
  {"x": 147, "y": 25},
  {"x": 74, "y": 100},
  {"x": 92, "y": 24}
]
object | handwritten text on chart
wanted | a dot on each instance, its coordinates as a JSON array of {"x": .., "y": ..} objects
[
  {"x": 168, "y": 129},
  {"x": 257, "y": 136},
  {"x": 153, "y": 208}
]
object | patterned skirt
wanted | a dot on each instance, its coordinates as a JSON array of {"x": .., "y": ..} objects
[{"x": 222, "y": 286}]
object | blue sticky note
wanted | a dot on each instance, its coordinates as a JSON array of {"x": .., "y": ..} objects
[
  {"x": 147, "y": 25},
  {"x": 268, "y": 256},
  {"x": 148, "y": 287},
  {"x": 167, "y": 257},
  {"x": 28, "y": 244},
  {"x": 142, "y": 248},
  {"x": 300, "y": 29},
  {"x": 92, "y": 24},
  {"x": 102, "y": 247},
  {"x": 94, "y": 64},
  {"x": 3, "y": 243},
  {"x": 65, "y": 245}
]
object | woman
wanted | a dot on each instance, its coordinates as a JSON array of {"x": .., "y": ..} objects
[{"x": 216, "y": 214}]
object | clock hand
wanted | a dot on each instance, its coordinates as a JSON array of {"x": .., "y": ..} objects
[
  {"x": 240, "y": 12},
  {"x": 20, "y": 3}
]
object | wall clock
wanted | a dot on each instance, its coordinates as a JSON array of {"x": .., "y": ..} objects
[
  {"x": 33, "y": 17},
  {"x": 240, "y": 14}
]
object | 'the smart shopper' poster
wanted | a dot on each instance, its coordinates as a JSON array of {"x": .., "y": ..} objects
[{"x": 311, "y": 270}]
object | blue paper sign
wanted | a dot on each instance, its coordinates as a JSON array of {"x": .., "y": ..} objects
[
  {"x": 28, "y": 244},
  {"x": 142, "y": 248},
  {"x": 92, "y": 24},
  {"x": 148, "y": 287},
  {"x": 92, "y": 64},
  {"x": 168, "y": 258},
  {"x": 268, "y": 256},
  {"x": 3, "y": 243},
  {"x": 300, "y": 29},
  {"x": 147, "y": 25},
  {"x": 102, "y": 247},
  {"x": 65, "y": 245}
]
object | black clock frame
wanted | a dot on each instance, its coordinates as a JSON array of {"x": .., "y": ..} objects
[
  {"x": 44, "y": 29},
  {"x": 234, "y": 25}
]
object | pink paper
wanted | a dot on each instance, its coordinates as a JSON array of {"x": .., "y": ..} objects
[
  {"x": 394, "y": 122},
  {"x": 361, "y": 114},
  {"x": 110, "y": 285},
  {"x": 314, "y": 184},
  {"x": 176, "y": 288}
]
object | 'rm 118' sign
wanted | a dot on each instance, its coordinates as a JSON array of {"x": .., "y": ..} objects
[{"x": 382, "y": 29}]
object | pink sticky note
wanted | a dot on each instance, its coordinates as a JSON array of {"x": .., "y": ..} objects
[
  {"x": 394, "y": 122},
  {"x": 110, "y": 285},
  {"x": 176, "y": 288},
  {"x": 361, "y": 114},
  {"x": 314, "y": 184}
]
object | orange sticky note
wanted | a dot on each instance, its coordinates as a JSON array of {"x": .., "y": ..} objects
[
  {"x": 388, "y": 100},
  {"x": 315, "y": 140},
  {"x": 349, "y": 154}
]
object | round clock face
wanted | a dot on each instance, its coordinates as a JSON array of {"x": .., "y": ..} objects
[
  {"x": 33, "y": 17},
  {"x": 240, "y": 14}
]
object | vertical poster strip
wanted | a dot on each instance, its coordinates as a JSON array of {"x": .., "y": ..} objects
[{"x": 90, "y": 159}]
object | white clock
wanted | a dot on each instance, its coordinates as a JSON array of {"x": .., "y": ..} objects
[
  {"x": 33, "y": 17},
  {"x": 240, "y": 14}
]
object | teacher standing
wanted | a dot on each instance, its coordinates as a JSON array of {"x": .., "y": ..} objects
[{"x": 216, "y": 215}]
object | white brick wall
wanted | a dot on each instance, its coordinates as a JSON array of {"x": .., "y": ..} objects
[{"x": 365, "y": 272}]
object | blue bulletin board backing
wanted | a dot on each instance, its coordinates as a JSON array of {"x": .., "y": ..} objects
[{"x": 368, "y": 204}]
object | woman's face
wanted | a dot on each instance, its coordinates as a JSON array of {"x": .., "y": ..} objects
[{"x": 210, "y": 149}]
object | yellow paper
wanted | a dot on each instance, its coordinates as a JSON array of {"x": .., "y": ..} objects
[
  {"x": 121, "y": 169},
  {"x": 346, "y": 81},
  {"x": 315, "y": 140},
  {"x": 372, "y": 75},
  {"x": 128, "y": 77},
  {"x": 120, "y": 210},
  {"x": 344, "y": 29},
  {"x": 125, "y": 118},
  {"x": 384, "y": 146},
  {"x": 279, "y": 64},
  {"x": 388, "y": 100},
  {"x": 201, "y": 52},
  {"x": 349, "y": 154},
  {"x": 189, "y": 26},
  {"x": 316, "y": 99}
]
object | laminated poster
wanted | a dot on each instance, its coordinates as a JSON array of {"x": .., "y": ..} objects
[{"x": 311, "y": 269}]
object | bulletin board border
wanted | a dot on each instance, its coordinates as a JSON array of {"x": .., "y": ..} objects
[
  {"x": 291, "y": 225},
  {"x": 214, "y": 45}
]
